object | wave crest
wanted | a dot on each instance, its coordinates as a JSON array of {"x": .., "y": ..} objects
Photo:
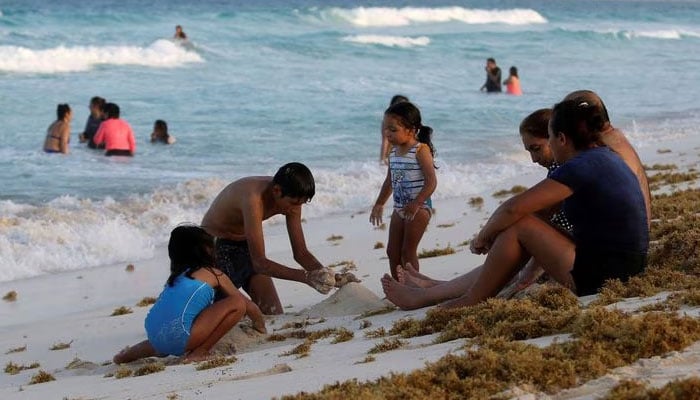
[
  {"x": 160, "y": 54},
  {"x": 389, "y": 41},
  {"x": 385, "y": 16}
]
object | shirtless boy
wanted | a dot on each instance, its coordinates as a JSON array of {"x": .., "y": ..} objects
[{"x": 235, "y": 219}]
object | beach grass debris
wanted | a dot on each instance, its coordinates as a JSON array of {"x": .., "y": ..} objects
[
  {"x": 376, "y": 333},
  {"x": 13, "y": 369},
  {"x": 129, "y": 268},
  {"x": 663, "y": 151},
  {"x": 379, "y": 311},
  {"x": 122, "y": 310},
  {"x": 378, "y": 245},
  {"x": 465, "y": 243},
  {"x": 150, "y": 368},
  {"x": 172, "y": 396},
  {"x": 660, "y": 167},
  {"x": 513, "y": 190},
  {"x": 17, "y": 349},
  {"x": 347, "y": 266},
  {"x": 446, "y": 225},
  {"x": 334, "y": 238},
  {"x": 381, "y": 227},
  {"x": 365, "y": 323},
  {"x": 215, "y": 362},
  {"x": 436, "y": 252},
  {"x": 60, "y": 345},
  {"x": 677, "y": 389},
  {"x": 342, "y": 335},
  {"x": 41, "y": 377},
  {"x": 387, "y": 345},
  {"x": 10, "y": 296},
  {"x": 123, "y": 372},
  {"x": 302, "y": 350},
  {"x": 366, "y": 360},
  {"x": 476, "y": 201},
  {"x": 146, "y": 301},
  {"x": 670, "y": 178},
  {"x": 276, "y": 337}
]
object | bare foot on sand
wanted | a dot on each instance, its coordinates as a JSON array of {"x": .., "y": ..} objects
[
  {"x": 196, "y": 356},
  {"x": 409, "y": 276},
  {"x": 405, "y": 297}
]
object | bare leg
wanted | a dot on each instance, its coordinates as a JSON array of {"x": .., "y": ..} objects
[
  {"x": 212, "y": 324},
  {"x": 395, "y": 242},
  {"x": 262, "y": 291},
  {"x": 412, "y": 234},
  {"x": 408, "y": 298},
  {"x": 135, "y": 352},
  {"x": 511, "y": 250}
]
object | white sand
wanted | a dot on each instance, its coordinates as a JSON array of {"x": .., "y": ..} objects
[{"x": 75, "y": 307}]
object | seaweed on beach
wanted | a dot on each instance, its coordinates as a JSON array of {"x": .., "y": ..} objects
[
  {"x": 334, "y": 238},
  {"x": 123, "y": 310},
  {"x": 17, "y": 349},
  {"x": 436, "y": 252},
  {"x": 41, "y": 377},
  {"x": 387, "y": 345},
  {"x": 13, "y": 369},
  {"x": 378, "y": 245},
  {"x": 514, "y": 190},
  {"x": 446, "y": 225},
  {"x": 146, "y": 301},
  {"x": 10, "y": 296},
  {"x": 215, "y": 363},
  {"x": 61, "y": 345},
  {"x": 678, "y": 389},
  {"x": 476, "y": 202},
  {"x": 660, "y": 167},
  {"x": 150, "y": 368}
]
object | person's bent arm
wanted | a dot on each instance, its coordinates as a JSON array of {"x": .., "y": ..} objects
[
  {"x": 544, "y": 194},
  {"x": 425, "y": 161},
  {"x": 375, "y": 217},
  {"x": 301, "y": 253},
  {"x": 252, "y": 220},
  {"x": 99, "y": 137}
]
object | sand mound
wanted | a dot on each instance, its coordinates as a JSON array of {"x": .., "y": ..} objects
[
  {"x": 238, "y": 340},
  {"x": 351, "y": 299}
]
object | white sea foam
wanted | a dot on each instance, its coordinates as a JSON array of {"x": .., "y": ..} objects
[
  {"x": 70, "y": 233},
  {"x": 385, "y": 16},
  {"x": 389, "y": 41},
  {"x": 160, "y": 54},
  {"x": 661, "y": 34}
]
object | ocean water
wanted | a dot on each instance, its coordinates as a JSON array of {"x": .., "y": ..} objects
[{"x": 273, "y": 81}]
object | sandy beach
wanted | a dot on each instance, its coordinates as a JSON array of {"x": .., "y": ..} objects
[{"x": 72, "y": 311}]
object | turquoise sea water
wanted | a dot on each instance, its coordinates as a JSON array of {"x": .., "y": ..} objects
[{"x": 278, "y": 81}]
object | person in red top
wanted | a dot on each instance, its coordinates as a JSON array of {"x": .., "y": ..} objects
[{"x": 115, "y": 133}]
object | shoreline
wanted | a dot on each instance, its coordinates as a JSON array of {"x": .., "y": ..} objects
[{"x": 63, "y": 308}]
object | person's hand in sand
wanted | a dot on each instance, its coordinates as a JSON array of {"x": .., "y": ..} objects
[
  {"x": 322, "y": 279},
  {"x": 256, "y": 316}
]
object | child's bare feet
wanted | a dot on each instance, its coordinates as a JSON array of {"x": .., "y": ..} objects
[
  {"x": 407, "y": 275},
  {"x": 405, "y": 297},
  {"x": 195, "y": 356}
]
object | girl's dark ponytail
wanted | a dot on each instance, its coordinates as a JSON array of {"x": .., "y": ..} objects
[{"x": 425, "y": 135}]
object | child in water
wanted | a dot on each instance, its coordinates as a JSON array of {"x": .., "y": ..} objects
[
  {"x": 411, "y": 177},
  {"x": 160, "y": 133},
  {"x": 185, "y": 320},
  {"x": 513, "y": 83}
]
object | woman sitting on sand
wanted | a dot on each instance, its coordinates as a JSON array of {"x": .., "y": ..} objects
[
  {"x": 185, "y": 320},
  {"x": 602, "y": 198}
]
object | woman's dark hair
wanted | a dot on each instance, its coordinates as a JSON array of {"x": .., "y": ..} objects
[
  {"x": 190, "y": 247},
  {"x": 98, "y": 101},
  {"x": 537, "y": 123},
  {"x": 409, "y": 117},
  {"x": 62, "y": 110},
  {"x": 399, "y": 98},
  {"x": 163, "y": 127},
  {"x": 111, "y": 110},
  {"x": 514, "y": 71},
  {"x": 296, "y": 181},
  {"x": 580, "y": 121}
]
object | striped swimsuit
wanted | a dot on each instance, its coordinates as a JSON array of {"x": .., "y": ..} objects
[{"x": 407, "y": 178}]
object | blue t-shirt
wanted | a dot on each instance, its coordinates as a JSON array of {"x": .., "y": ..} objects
[{"x": 607, "y": 207}]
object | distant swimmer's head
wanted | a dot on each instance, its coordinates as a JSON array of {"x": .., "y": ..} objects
[
  {"x": 190, "y": 247},
  {"x": 535, "y": 136},
  {"x": 296, "y": 182},
  {"x": 399, "y": 98},
  {"x": 63, "y": 112},
  {"x": 490, "y": 63},
  {"x": 408, "y": 116},
  {"x": 591, "y": 98},
  {"x": 514, "y": 71},
  {"x": 97, "y": 105},
  {"x": 580, "y": 121},
  {"x": 111, "y": 111}
]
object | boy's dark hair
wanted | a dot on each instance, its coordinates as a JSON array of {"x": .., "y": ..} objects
[
  {"x": 537, "y": 123},
  {"x": 190, "y": 247},
  {"x": 409, "y": 117},
  {"x": 98, "y": 101},
  {"x": 111, "y": 110},
  {"x": 296, "y": 181},
  {"x": 490, "y": 59},
  {"x": 62, "y": 110},
  {"x": 399, "y": 98},
  {"x": 514, "y": 71},
  {"x": 580, "y": 121}
]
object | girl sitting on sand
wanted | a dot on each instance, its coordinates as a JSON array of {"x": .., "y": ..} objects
[
  {"x": 185, "y": 320},
  {"x": 411, "y": 177}
]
